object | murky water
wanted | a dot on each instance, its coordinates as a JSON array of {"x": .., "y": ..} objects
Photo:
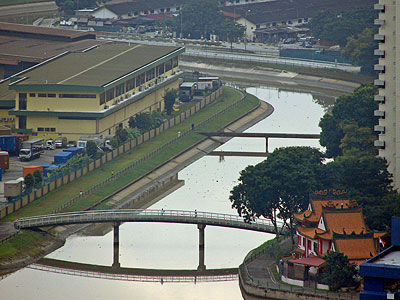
[{"x": 173, "y": 246}]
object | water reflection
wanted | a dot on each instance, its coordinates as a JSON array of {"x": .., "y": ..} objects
[{"x": 135, "y": 274}]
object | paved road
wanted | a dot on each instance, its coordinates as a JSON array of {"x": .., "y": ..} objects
[{"x": 28, "y": 8}]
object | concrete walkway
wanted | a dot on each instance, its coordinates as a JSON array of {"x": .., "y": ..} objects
[{"x": 259, "y": 268}]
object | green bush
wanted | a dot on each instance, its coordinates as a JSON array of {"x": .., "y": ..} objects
[
  {"x": 29, "y": 181},
  {"x": 38, "y": 177}
]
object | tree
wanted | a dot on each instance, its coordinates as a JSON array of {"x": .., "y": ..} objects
[
  {"x": 122, "y": 135},
  {"x": 200, "y": 19},
  {"x": 169, "y": 100},
  {"x": 360, "y": 50},
  {"x": 142, "y": 121},
  {"x": 337, "y": 271},
  {"x": 359, "y": 140},
  {"x": 29, "y": 181},
  {"x": 37, "y": 177},
  {"x": 337, "y": 26},
  {"x": 91, "y": 149},
  {"x": 357, "y": 108},
  {"x": 279, "y": 186}
]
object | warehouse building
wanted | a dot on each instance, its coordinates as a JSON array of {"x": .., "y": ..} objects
[{"x": 93, "y": 91}]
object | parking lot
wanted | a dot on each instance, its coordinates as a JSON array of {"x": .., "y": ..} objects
[{"x": 16, "y": 166}]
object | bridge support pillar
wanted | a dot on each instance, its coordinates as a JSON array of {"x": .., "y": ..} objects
[
  {"x": 266, "y": 145},
  {"x": 201, "y": 228},
  {"x": 116, "y": 263}
]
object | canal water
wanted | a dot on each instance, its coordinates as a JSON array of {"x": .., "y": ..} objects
[{"x": 208, "y": 182}]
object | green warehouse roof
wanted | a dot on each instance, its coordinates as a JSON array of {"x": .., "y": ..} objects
[{"x": 94, "y": 68}]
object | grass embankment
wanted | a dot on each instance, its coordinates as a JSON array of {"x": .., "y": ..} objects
[
  {"x": 58, "y": 197},
  {"x": 17, "y": 2}
]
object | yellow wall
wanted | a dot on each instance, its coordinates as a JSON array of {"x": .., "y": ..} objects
[
  {"x": 10, "y": 119},
  {"x": 60, "y": 104},
  {"x": 72, "y": 129}
]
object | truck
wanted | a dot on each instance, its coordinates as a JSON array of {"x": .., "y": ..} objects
[
  {"x": 50, "y": 144},
  {"x": 186, "y": 91},
  {"x": 12, "y": 142},
  {"x": 208, "y": 83},
  {"x": 61, "y": 142},
  {"x": 103, "y": 144},
  {"x": 31, "y": 149}
]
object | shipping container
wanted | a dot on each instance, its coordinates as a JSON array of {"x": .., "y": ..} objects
[
  {"x": 4, "y": 160},
  {"x": 62, "y": 157},
  {"x": 8, "y": 143},
  {"x": 47, "y": 169},
  {"x": 74, "y": 150},
  {"x": 13, "y": 188},
  {"x": 20, "y": 138},
  {"x": 31, "y": 169}
]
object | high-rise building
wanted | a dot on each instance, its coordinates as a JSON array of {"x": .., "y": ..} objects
[{"x": 389, "y": 85}]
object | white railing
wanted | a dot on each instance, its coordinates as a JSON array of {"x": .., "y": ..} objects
[
  {"x": 148, "y": 215},
  {"x": 139, "y": 278}
]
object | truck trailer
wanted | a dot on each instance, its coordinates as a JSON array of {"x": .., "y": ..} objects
[{"x": 31, "y": 149}]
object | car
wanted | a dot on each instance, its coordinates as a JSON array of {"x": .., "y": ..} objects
[
  {"x": 71, "y": 144},
  {"x": 61, "y": 142}
]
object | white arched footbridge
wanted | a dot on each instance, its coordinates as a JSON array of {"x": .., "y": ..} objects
[{"x": 148, "y": 215}]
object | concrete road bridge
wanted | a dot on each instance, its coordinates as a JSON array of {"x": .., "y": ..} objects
[{"x": 147, "y": 215}]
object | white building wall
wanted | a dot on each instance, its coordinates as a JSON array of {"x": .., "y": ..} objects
[
  {"x": 389, "y": 138},
  {"x": 104, "y": 13},
  {"x": 249, "y": 28}
]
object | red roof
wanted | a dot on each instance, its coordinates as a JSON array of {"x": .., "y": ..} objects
[{"x": 312, "y": 261}]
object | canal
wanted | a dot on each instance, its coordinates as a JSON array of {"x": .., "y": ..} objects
[{"x": 208, "y": 182}]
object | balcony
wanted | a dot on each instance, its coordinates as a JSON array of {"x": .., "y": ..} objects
[
  {"x": 379, "y": 37},
  {"x": 379, "y": 52},
  {"x": 379, "y": 82},
  {"x": 379, "y": 98},
  {"x": 379, "y": 144},
  {"x": 379, "y": 113},
  {"x": 380, "y": 68},
  {"x": 379, "y": 22},
  {"x": 379, "y": 128},
  {"x": 379, "y": 7}
]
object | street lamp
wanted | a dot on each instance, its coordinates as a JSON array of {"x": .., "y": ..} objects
[
  {"x": 181, "y": 34},
  {"x": 245, "y": 26}
]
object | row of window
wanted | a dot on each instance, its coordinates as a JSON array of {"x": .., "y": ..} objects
[
  {"x": 47, "y": 129},
  {"x": 152, "y": 11},
  {"x": 138, "y": 80},
  {"x": 299, "y": 21},
  {"x": 52, "y": 95}
]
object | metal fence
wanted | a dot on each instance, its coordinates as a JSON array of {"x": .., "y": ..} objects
[{"x": 275, "y": 61}]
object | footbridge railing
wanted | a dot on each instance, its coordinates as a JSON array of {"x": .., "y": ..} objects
[{"x": 148, "y": 215}]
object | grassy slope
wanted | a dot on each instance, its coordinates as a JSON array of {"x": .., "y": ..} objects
[{"x": 16, "y": 2}]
